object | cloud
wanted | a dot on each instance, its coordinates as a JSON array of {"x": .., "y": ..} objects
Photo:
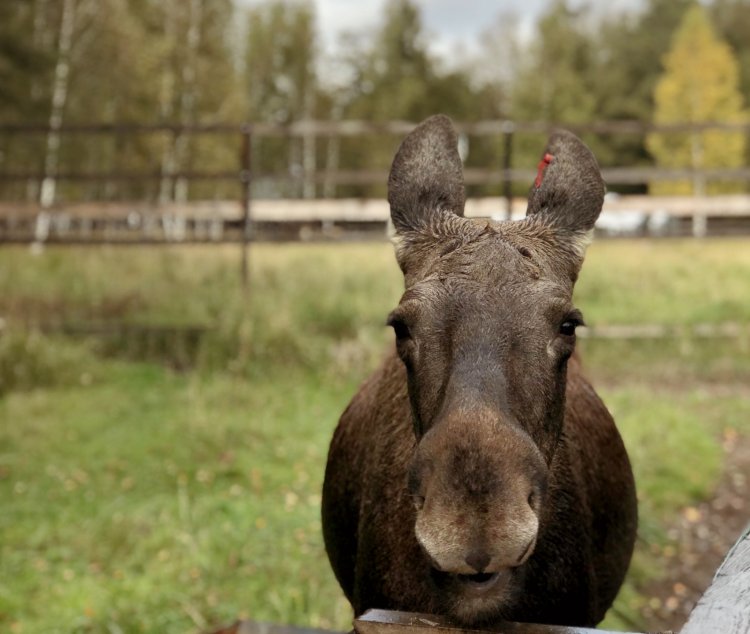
[{"x": 449, "y": 24}]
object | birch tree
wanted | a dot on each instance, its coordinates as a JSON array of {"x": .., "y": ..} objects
[
  {"x": 187, "y": 94},
  {"x": 700, "y": 83},
  {"x": 59, "y": 97},
  {"x": 281, "y": 81}
]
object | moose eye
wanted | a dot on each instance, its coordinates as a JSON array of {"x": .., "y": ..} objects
[
  {"x": 568, "y": 328},
  {"x": 572, "y": 321},
  {"x": 400, "y": 328}
]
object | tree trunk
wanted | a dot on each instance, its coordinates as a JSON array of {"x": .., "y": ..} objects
[
  {"x": 332, "y": 157},
  {"x": 187, "y": 98},
  {"x": 59, "y": 98},
  {"x": 166, "y": 104},
  {"x": 700, "y": 222},
  {"x": 308, "y": 145}
]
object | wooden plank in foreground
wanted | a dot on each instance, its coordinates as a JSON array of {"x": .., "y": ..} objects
[
  {"x": 725, "y": 606},
  {"x": 253, "y": 627},
  {"x": 388, "y": 622},
  {"x": 391, "y": 622}
]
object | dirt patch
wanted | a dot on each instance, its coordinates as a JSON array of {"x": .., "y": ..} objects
[{"x": 699, "y": 540}]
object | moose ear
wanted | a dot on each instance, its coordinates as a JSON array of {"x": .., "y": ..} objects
[
  {"x": 568, "y": 192},
  {"x": 426, "y": 175}
]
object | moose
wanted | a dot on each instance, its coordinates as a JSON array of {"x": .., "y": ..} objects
[{"x": 476, "y": 474}]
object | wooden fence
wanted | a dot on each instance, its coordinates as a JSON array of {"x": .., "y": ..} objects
[{"x": 244, "y": 219}]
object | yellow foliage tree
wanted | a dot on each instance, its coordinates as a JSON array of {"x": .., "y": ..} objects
[{"x": 700, "y": 84}]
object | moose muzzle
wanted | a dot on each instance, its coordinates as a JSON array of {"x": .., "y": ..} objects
[{"x": 478, "y": 482}]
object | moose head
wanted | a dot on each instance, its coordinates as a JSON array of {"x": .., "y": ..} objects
[{"x": 485, "y": 329}]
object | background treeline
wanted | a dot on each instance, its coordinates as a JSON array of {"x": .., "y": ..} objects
[{"x": 210, "y": 61}]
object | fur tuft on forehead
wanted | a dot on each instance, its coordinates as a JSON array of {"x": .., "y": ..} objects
[
  {"x": 533, "y": 248},
  {"x": 442, "y": 229}
]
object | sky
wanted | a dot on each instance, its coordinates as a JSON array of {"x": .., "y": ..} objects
[
  {"x": 452, "y": 27},
  {"x": 449, "y": 23}
]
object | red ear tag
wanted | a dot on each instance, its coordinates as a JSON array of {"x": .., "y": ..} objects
[{"x": 543, "y": 164}]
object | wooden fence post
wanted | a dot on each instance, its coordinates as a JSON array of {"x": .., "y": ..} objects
[
  {"x": 508, "y": 129},
  {"x": 725, "y": 606},
  {"x": 246, "y": 182}
]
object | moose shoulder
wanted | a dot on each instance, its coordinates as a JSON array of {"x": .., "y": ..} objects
[{"x": 477, "y": 474}]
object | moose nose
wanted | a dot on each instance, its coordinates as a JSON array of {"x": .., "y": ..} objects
[{"x": 478, "y": 560}]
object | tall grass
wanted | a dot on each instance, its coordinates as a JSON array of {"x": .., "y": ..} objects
[
  {"x": 306, "y": 301},
  {"x": 303, "y": 302}
]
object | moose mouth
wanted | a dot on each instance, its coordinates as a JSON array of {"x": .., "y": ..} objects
[
  {"x": 473, "y": 584},
  {"x": 479, "y": 582}
]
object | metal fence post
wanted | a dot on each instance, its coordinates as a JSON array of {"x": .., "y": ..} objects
[{"x": 246, "y": 182}]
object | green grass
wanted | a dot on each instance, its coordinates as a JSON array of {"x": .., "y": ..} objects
[
  {"x": 140, "y": 498},
  {"x": 682, "y": 282},
  {"x": 672, "y": 439},
  {"x": 155, "y": 502}
]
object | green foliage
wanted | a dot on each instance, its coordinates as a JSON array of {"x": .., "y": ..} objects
[
  {"x": 397, "y": 71},
  {"x": 625, "y": 74},
  {"x": 280, "y": 84},
  {"x": 396, "y": 78},
  {"x": 630, "y": 45},
  {"x": 220, "y": 60},
  {"x": 131, "y": 62},
  {"x": 555, "y": 83},
  {"x": 555, "y": 80},
  {"x": 732, "y": 18},
  {"x": 19, "y": 59},
  {"x": 280, "y": 62},
  {"x": 700, "y": 83}
]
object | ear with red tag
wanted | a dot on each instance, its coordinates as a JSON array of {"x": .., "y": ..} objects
[{"x": 568, "y": 192}]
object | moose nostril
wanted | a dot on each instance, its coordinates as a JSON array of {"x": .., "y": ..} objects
[{"x": 478, "y": 560}]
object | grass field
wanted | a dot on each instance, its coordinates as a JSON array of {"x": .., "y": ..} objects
[{"x": 157, "y": 480}]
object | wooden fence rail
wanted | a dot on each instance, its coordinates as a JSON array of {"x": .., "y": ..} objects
[
  {"x": 161, "y": 227},
  {"x": 332, "y": 219},
  {"x": 506, "y": 130},
  {"x": 360, "y": 127}
]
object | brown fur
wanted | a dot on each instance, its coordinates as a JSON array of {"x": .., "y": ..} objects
[{"x": 478, "y": 447}]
